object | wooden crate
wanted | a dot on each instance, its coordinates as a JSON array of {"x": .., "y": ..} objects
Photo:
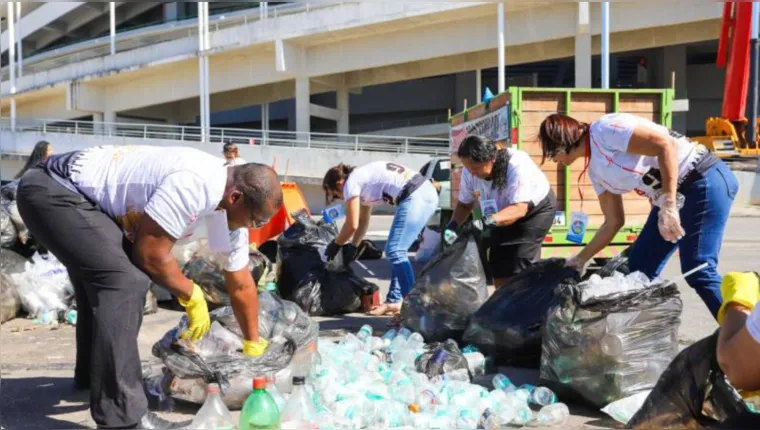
[{"x": 531, "y": 106}]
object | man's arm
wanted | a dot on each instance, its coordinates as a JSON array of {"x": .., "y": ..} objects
[
  {"x": 244, "y": 299},
  {"x": 152, "y": 254},
  {"x": 364, "y": 216}
]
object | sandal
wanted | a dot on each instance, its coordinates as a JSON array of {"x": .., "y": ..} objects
[{"x": 385, "y": 309}]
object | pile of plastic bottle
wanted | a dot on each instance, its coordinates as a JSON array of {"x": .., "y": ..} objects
[{"x": 365, "y": 381}]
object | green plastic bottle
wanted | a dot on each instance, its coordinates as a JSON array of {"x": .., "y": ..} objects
[{"x": 260, "y": 410}]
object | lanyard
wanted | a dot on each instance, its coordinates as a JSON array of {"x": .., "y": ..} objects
[{"x": 586, "y": 162}]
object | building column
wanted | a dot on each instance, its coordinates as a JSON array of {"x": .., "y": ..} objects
[
  {"x": 109, "y": 118},
  {"x": 673, "y": 60},
  {"x": 583, "y": 47},
  {"x": 342, "y": 97},
  {"x": 303, "y": 104},
  {"x": 478, "y": 86}
]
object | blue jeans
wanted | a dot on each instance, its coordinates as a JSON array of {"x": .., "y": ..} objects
[
  {"x": 411, "y": 217},
  {"x": 703, "y": 218}
]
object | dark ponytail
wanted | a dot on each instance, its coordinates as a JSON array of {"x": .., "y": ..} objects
[
  {"x": 481, "y": 149},
  {"x": 332, "y": 177}
]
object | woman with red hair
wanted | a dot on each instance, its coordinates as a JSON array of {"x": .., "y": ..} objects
[{"x": 690, "y": 189}]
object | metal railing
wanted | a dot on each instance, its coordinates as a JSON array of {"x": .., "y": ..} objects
[
  {"x": 146, "y": 36},
  {"x": 350, "y": 142},
  {"x": 401, "y": 123}
]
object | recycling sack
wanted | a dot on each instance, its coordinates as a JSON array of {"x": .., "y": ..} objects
[
  {"x": 693, "y": 392},
  {"x": 8, "y": 231},
  {"x": 10, "y": 303},
  {"x": 442, "y": 358},
  {"x": 508, "y": 325},
  {"x": 610, "y": 338},
  {"x": 217, "y": 357},
  {"x": 207, "y": 270},
  {"x": 303, "y": 275},
  {"x": 43, "y": 286},
  {"x": 448, "y": 290}
]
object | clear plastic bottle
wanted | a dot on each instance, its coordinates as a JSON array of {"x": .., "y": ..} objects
[
  {"x": 552, "y": 415},
  {"x": 476, "y": 362},
  {"x": 455, "y": 375},
  {"x": 273, "y": 391},
  {"x": 543, "y": 396},
  {"x": 503, "y": 383},
  {"x": 364, "y": 333},
  {"x": 260, "y": 410},
  {"x": 467, "y": 419},
  {"x": 213, "y": 415},
  {"x": 400, "y": 340},
  {"x": 299, "y": 411},
  {"x": 427, "y": 400},
  {"x": 389, "y": 336}
]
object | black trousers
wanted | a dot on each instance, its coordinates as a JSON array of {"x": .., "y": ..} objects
[{"x": 110, "y": 293}]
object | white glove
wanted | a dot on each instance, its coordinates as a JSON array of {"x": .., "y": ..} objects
[
  {"x": 576, "y": 263},
  {"x": 669, "y": 223}
]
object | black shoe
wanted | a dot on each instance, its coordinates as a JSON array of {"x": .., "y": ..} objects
[{"x": 152, "y": 421}]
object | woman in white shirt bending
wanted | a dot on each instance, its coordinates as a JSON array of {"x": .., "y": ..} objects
[
  {"x": 375, "y": 183},
  {"x": 515, "y": 198},
  {"x": 690, "y": 189}
]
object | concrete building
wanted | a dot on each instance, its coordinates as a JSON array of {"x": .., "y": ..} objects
[{"x": 390, "y": 68}]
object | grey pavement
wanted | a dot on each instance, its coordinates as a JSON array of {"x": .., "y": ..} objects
[{"x": 36, "y": 363}]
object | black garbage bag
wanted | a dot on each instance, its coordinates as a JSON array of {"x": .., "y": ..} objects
[
  {"x": 605, "y": 342},
  {"x": 367, "y": 250},
  {"x": 442, "y": 358},
  {"x": 9, "y": 191},
  {"x": 508, "y": 326},
  {"x": 448, "y": 290},
  {"x": 303, "y": 276},
  {"x": 207, "y": 270},
  {"x": 217, "y": 357},
  {"x": 693, "y": 392}
]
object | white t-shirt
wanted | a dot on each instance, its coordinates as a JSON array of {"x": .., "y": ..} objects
[
  {"x": 753, "y": 324},
  {"x": 525, "y": 183},
  {"x": 377, "y": 182},
  {"x": 612, "y": 169},
  {"x": 177, "y": 187}
]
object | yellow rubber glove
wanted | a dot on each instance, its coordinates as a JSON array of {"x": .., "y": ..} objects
[
  {"x": 254, "y": 349},
  {"x": 197, "y": 315},
  {"x": 740, "y": 288}
]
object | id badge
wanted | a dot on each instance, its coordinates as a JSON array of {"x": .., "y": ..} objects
[
  {"x": 488, "y": 207},
  {"x": 577, "y": 228},
  {"x": 218, "y": 232}
]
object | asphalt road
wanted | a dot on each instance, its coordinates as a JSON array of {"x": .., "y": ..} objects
[{"x": 36, "y": 363}]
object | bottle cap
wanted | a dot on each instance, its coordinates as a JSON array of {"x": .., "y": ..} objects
[
  {"x": 212, "y": 388},
  {"x": 414, "y": 408},
  {"x": 299, "y": 380},
  {"x": 259, "y": 383}
]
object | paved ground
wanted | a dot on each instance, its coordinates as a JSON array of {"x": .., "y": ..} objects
[{"x": 37, "y": 363}]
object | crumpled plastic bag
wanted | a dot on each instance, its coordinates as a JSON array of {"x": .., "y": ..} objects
[
  {"x": 44, "y": 286},
  {"x": 207, "y": 270},
  {"x": 693, "y": 392},
  {"x": 303, "y": 275},
  {"x": 10, "y": 302},
  {"x": 441, "y": 359},
  {"x": 8, "y": 231},
  {"x": 448, "y": 290},
  {"x": 429, "y": 247},
  {"x": 217, "y": 357},
  {"x": 607, "y": 341},
  {"x": 624, "y": 409},
  {"x": 508, "y": 325}
]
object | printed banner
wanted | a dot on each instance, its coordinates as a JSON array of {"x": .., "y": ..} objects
[{"x": 494, "y": 125}]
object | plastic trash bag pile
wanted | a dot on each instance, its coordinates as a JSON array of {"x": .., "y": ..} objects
[
  {"x": 610, "y": 338},
  {"x": 13, "y": 232},
  {"x": 217, "y": 357},
  {"x": 43, "y": 287},
  {"x": 508, "y": 326},
  {"x": 206, "y": 270},
  {"x": 448, "y": 290},
  {"x": 303, "y": 275}
]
